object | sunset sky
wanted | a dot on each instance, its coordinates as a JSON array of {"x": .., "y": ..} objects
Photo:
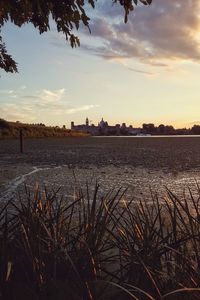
[{"x": 144, "y": 71}]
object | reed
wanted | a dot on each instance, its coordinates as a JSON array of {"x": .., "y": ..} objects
[{"x": 100, "y": 246}]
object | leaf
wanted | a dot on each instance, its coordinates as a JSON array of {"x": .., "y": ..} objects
[{"x": 9, "y": 269}]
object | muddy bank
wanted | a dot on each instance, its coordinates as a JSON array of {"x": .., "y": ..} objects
[
  {"x": 137, "y": 181},
  {"x": 136, "y": 164},
  {"x": 166, "y": 154}
]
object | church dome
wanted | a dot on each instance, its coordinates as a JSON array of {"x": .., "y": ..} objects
[{"x": 102, "y": 123}]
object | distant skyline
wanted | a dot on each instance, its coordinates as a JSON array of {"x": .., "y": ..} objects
[
  {"x": 90, "y": 122},
  {"x": 145, "y": 71}
]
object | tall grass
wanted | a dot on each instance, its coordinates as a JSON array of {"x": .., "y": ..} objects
[
  {"x": 12, "y": 130},
  {"x": 100, "y": 247}
]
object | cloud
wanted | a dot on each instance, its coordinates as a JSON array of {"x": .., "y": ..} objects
[
  {"x": 101, "y": 28},
  {"x": 22, "y": 87},
  {"x": 30, "y": 97},
  {"x": 52, "y": 104},
  {"x": 16, "y": 112},
  {"x": 6, "y": 92},
  {"x": 10, "y": 93},
  {"x": 166, "y": 31},
  {"x": 141, "y": 71},
  {"x": 48, "y": 96},
  {"x": 80, "y": 108}
]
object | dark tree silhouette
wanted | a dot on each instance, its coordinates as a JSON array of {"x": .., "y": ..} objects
[
  {"x": 195, "y": 129},
  {"x": 67, "y": 14}
]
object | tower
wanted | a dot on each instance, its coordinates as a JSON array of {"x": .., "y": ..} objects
[{"x": 87, "y": 122}]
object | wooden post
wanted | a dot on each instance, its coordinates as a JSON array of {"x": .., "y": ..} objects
[{"x": 21, "y": 141}]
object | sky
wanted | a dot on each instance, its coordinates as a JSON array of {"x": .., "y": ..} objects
[{"x": 145, "y": 71}]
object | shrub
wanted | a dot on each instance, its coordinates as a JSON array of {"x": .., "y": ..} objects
[{"x": 4, "y": 124}]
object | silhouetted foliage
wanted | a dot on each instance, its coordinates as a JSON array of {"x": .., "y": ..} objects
[
  {"x": 168, "y": 130},
  {"x": 149, "y": 128},
  {"x": 4, "y": 124},
  {"x": 161, "y": 129},
  {"x": 195, "y": 129},
  {"x": 6, "y": 61},
  {"x": 66, "y": 14},
  {"x": 12, "y": 130}
]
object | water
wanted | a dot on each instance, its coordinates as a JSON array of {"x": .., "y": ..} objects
[{"x": 146, "y": 136}]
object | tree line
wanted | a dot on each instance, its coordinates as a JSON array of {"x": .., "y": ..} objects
[{"x": 162, "y": 129}]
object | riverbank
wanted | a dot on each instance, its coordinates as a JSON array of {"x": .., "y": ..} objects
[{"x": 11, "y": 130}]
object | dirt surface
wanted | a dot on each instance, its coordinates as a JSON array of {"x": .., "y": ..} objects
[
  {"x": 137, "y": 163},
  {"x": 170, "y": 153}
]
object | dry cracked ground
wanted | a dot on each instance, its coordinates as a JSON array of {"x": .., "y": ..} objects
[{"x": 136, "y": 164}]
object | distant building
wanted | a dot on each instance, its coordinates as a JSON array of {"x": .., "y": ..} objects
[{"x": 104, "y": 129}]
